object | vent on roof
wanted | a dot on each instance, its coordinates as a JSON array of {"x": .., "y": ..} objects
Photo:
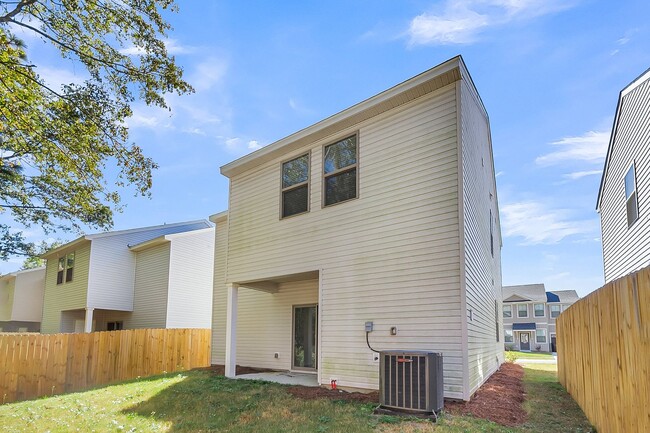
[{"x": 411, "y": 381}]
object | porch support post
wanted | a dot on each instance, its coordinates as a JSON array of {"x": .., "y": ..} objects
[
  {"x": 88, "y": 324},
  {"x": 231, "y": 330}
]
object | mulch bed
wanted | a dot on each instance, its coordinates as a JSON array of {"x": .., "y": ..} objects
[{"x": 500, "y": 399}]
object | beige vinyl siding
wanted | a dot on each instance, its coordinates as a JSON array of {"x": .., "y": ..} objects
[
  {"x": 7, "y": 287},
  {"x": 391, "y": 256},
  {"x": 28, "y": 298},
  {"x": 264, "y": 323},
  {"x": 66, "y": 296},
  {"x": 151, "y": 288},
  {"x": 626, "y": 250},
  {"x": 219, "y": 298},
  {"x": 482, "y": 270},
  {"x": 189, "y": 303},
  {"x": 112, "y": 275}
]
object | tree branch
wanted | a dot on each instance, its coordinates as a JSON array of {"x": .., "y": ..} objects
[{"x": 18, "y": 9}]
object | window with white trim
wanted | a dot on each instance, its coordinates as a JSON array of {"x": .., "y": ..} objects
[
  {"x": 295, "y": 186},
  {"x": 522, "y": 310},
  {"x": 539, "y": 310},
  {"x": 631, "y": 202},
  {"x": 540, "y": 335},
  {"x": 508, "y": 336},
  {"x": 340, "y": 164},
  {"x": 555, "y": 311},
  {"x": 507, "y": 311},
  {"x": 65, "y": 269}
]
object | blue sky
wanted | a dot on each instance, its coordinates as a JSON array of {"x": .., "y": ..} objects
[{"x": 549, "y": 73}]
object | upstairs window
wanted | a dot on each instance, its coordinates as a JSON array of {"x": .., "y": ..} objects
[
  {"x": 631, "y": 202},
  {"x": 555, "y": 311},
  {"x": 522, "y": 310},
  {"x": 539, "y": 310},
  {"x": 65, "y": 270},
  {"x": 295, "y": 186},
  {"x": 340, "y": 171},
  {"x": 507, "y": 311}
]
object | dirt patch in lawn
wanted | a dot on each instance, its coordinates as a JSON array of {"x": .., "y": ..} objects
[
  {"x": 500, "y": 399},
  {"x": 312, "y": 392}
]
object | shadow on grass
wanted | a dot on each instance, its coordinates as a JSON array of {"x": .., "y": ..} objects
[{"x": 203, "y": 401}]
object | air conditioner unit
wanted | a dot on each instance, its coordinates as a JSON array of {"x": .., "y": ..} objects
[{"x": 411, "y": 381}]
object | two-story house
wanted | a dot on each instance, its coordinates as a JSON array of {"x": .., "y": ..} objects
[
  {"x": 624, "y": 196},
  {"x": 529, "y": 314},
  {"x": 21, "y": 300},
  {"x": 386, "y": 213},
  {"x": 149, "y": 277}
]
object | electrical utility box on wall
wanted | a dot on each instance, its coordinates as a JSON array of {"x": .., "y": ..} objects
[{"x": 411, "y": 381}]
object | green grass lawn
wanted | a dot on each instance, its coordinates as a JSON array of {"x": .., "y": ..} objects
[
  {"x": 513, "y": 355},
  {"x": 200, "y": 401}
]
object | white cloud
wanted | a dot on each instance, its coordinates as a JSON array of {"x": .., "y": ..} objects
[
  {"x": 150, "y": 117},
  {"x": 589, "y": 147},
  {"x": 254, "y": 145},
  {"x": 461, "y": 21},
  {"x": 580, "y": 174},
  {"x": 55, "y": 78},
  {"x": 172, "y": 46},
  {"x": 500, "y": 173},
  {"x": 538, "y": 224},
  {"x": 208, "y": 73}
]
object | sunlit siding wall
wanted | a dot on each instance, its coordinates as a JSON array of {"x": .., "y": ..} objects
[
  {"x": 28, "y": 297},
  {"x": 219, "y": 292},
  {"x": 151, "y": 288},
  {"x": 391, "y": 256},
  {"x": 626, "y": 250},
  {"x": 189, "y": 303},
  {"x": 66, "y": 296},
  {"x": 7, "y": 287},
  {"x": 482, "y": 261}
]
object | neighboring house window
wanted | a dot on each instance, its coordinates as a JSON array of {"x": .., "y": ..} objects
[
  {"x": 65, "y": 270},
  {"x": 340, "y": 171},
  {"x": 539, "y": 310},
  {"x": 508, "y": 336},
  {"x": 555, "y": 311},
  {"x": 295, "y": 186},
  {"x": 522, "y": 310},
  {"x": 491, "y": 235},
  {"x": 496, "y": 317},
  {"x": 114, "y": 326},
  {"x": 540, "y": 335},
  {"x": 507, "y": 311},
  {"x": 630, "y": 196}
]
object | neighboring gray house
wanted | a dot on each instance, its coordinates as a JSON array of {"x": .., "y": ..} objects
[
  {"x": 624, "y": 196},
  {"x": 529, "y": 314},
  {"x": 150, "y": 277},
  {"x": 21, "y": 300},
  {"x": 385, "y": 212}
]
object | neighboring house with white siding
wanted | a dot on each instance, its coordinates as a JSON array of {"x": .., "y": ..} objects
[
  {"x": 150, "y": 277},
  {"x": 21, "y": 300},
  {"x": 624, "y": 196},
  {"x": 385, "y": 212},
  {"x": 529, "y": 315}
]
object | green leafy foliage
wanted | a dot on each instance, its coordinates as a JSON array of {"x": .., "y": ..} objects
[{"x": 56, "y": 144}]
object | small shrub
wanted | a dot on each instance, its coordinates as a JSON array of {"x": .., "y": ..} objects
[{"x": 538, "y": 348}]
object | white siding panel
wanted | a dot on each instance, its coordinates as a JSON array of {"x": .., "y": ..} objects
[
  {"x": 399, "y": 239},
  {"x": 28, "y": 297},
  {"x": 482, "y": 268},
  {"x": 66, "y": 296},
  {"x": 151, "y": 288},
  {"x": 626, "y": 250},
  {"x": 113, "y": 265},
  {"x": 219, "y": 297},
  {"x": 189, "y": 304}
]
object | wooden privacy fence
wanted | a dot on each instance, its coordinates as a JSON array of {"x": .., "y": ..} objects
[
  {"x": 34, "y": 365},
  {"x": 603, "y": 345}
]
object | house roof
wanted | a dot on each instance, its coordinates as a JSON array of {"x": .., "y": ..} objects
[
  {"x": 565, "y": 296},
  {"x": 164, "y": 239},
  {"x": 525, "y": 292},
  {"x": 645, "y": 76},
  {"x": 435, "y": 78},
  {"x": 90, "y": 237},
  {"x": 219, "y": 216}
]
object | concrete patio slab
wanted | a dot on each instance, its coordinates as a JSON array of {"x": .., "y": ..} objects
[{"x": 283, "y": 377}]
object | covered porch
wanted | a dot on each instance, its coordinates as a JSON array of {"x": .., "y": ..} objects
[
  {"x": 274, "y": 323},
  {"x": 524, "y": 335},
  {"x": 93, "y": 320}
]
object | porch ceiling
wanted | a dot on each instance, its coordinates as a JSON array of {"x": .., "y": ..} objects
[{"x": 272, "y": 284}]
